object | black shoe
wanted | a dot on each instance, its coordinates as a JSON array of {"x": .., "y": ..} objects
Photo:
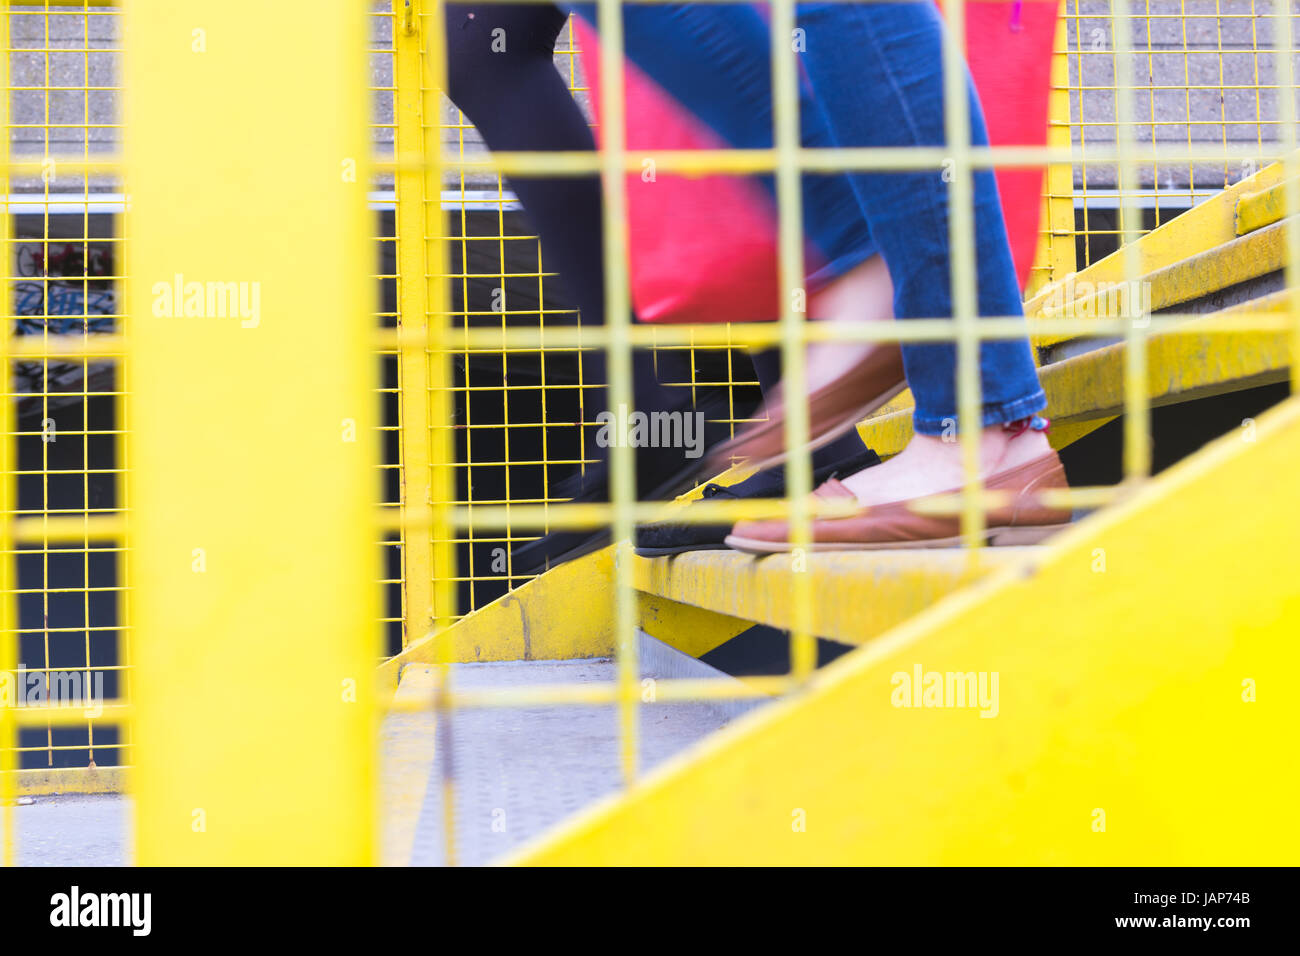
[
  {"x": 670, "y": 537},
  {"x": 661, "y": 474}
]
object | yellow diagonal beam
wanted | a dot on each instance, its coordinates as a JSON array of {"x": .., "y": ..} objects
[
  {"x": 1258, "y": 209},
  {"x": 1143, "y": 708},
  {"x": 1200, "y": 275},
  {"x": 1199, "y": 229},
  {"x": 564, "y": 613}
]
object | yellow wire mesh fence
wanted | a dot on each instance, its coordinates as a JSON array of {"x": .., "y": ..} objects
[{"x": 1178, "y": 77}]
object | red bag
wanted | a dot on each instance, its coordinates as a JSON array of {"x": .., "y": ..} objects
[
  {"x": 1009, "y": 51},
  {"x": 704, "y": 249}
]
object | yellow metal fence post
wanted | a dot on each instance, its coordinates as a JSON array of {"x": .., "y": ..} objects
[
  {"x": 1056, "y": 254},
  {"x": 785, "y": 123},
  {"x": 433, "y": 80},
  {"x": 8, "y": 560},
  {"x": 438, "y": 394},
  {"x": 254, "y": 622},
  {"x": 618, "y": 394},
  {"x": 411, "y": 228},
  {"x": 1060, "y": 176}
]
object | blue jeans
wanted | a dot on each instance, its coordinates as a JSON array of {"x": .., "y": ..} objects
[{"x": 871, "y": 76}]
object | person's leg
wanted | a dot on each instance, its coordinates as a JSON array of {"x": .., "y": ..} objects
[
  {"x": 714, "y": 61},
  {"x": 895, "y": 97},
  {"x": 767, "y": 368},
  {"x": 878, "y": 69},
  {"x": 501, "y": 74},
  {"x": 888, "y": 91}
]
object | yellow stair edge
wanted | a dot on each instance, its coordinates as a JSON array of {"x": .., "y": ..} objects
[
  {"x": 79, "y": 780},
  {"x": 854, "y": 596},
  {"x": 1257, "y": 209},
  {"x": 539, "y": 620},
  {"x": 1141, "y": 716},
  {"x": 1200, "y": 229},
  {"x": 565, "y": 613},
  {"x": 1197, "y": 359},
  {"x": 1205, "y": 273}
]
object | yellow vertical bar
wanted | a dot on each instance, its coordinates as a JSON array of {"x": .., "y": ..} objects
[
  {"x": 798, "y": 467},
  {"x": 1137, "y": 426},
  {"x": 254, "y": 617},
  {"x": 1059, "y": 202},
  {"x": 8, "y": 560},
  {"x": 618, "y": 320},
  {"x": 437, "y": 295},
  {"x": 411, "y": 228},
  {"x": 429, "y": 23},
  {"x": 961, "y": 237}
]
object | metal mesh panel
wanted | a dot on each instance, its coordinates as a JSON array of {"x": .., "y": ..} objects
[
  {"x": 65, "y": 253},
  {"x": 1203, "y": 75}
]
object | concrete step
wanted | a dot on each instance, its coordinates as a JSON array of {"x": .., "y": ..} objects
[
  {"x": 73, "y": 830},
  {"x": 516, "y": 772}
]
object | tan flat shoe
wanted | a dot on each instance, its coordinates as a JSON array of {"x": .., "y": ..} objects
[
  {"x": 833, "y": 409},
  {"x": 1025, "y": 520}
]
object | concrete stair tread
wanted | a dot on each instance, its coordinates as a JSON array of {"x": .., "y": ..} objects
[
  {"x": 518, "y": 771},
  {"x": 856, "y": 595}
]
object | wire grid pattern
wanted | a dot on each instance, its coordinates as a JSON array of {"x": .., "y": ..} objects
[
  {"x": 1203, "y": 74},
  {"x": 1122, "y": 153},
  {"x": 64, "y": 251},
  {"x": 525, "y": 417},
  {"x": 382, "y": 72},
  {"x": 65, "y": 254},
  {"x": 474, "y": 525}
]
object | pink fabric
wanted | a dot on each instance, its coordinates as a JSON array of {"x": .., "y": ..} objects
[
  {"x": 1009, "y": 50},
  {"x": 702, "y": 249}
]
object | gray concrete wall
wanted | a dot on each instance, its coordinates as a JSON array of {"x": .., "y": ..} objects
[
  {"x": 1199, "y": 74},
  {"x": 1203, "y": 73},
  {"x": 66, "y": 98}
]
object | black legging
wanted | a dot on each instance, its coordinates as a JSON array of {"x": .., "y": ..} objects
[{"x": 517, "y": 100}]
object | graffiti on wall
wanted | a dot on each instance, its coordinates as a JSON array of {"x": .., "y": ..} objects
[{"x": 62, "y": 288}]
